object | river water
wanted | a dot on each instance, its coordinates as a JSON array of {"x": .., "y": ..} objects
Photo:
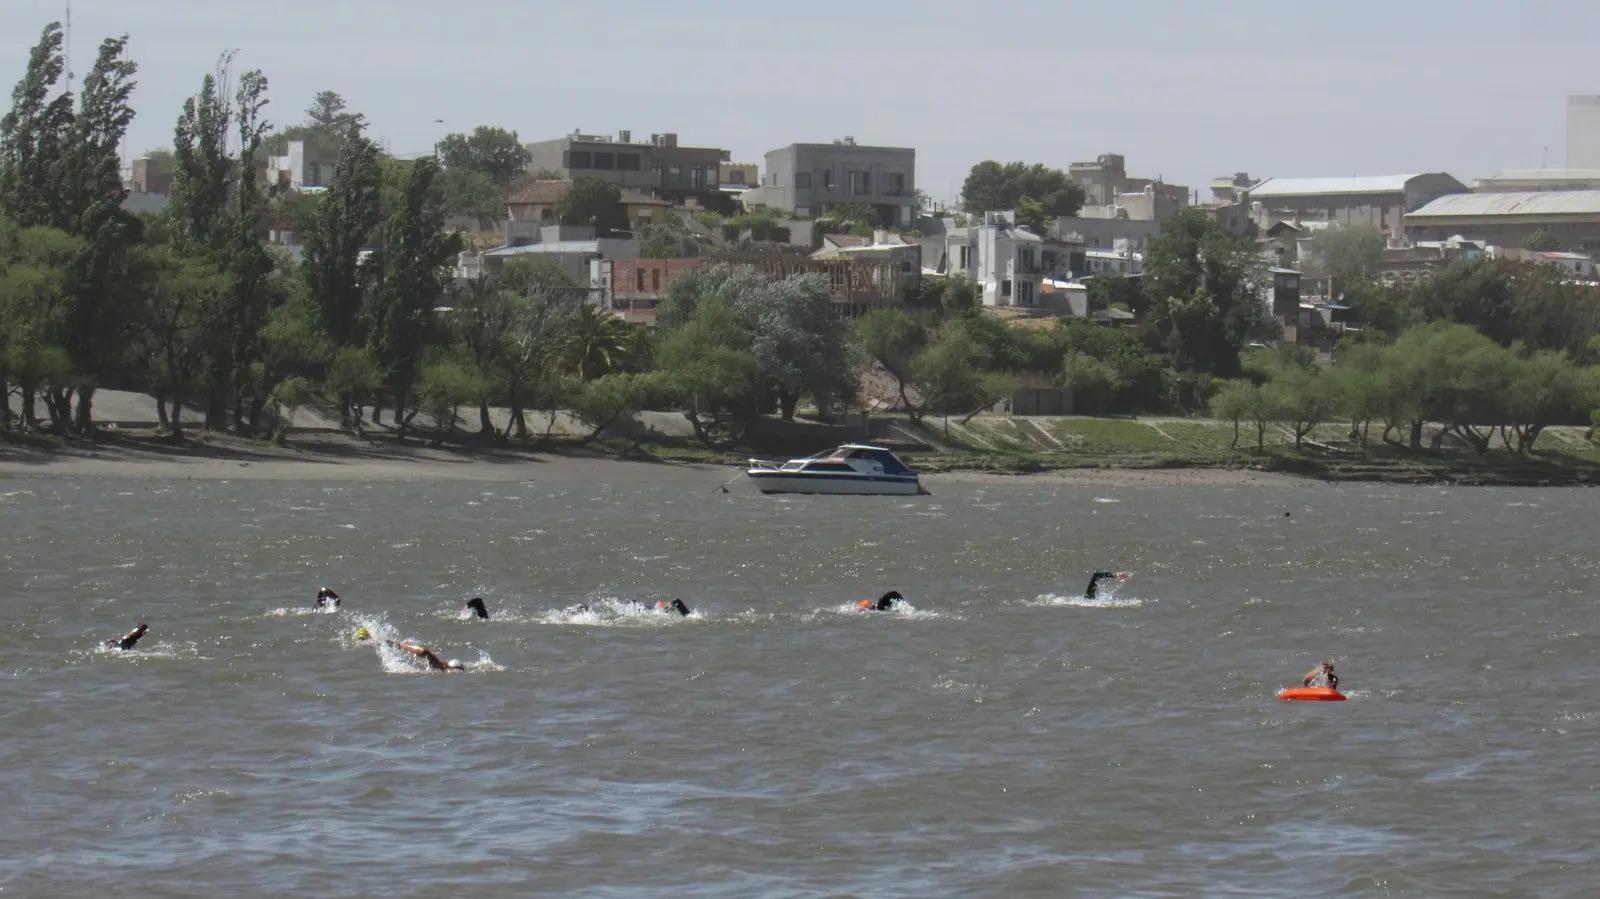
[{"x": 999, "y": 737}]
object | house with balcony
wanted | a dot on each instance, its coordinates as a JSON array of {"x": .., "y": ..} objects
[
  {"x": 807, "y": 179},
  {"x": 659, "y": 167}
]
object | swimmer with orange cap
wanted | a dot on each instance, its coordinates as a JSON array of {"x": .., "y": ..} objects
[
  {"x": 884, "y": 603},
  {"x": 677, "y": 605}
]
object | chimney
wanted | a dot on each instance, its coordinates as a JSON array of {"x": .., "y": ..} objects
[{"x": 624, "y": 137}]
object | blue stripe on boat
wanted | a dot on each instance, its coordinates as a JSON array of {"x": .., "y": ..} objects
[{"x": 818, "y": 476}]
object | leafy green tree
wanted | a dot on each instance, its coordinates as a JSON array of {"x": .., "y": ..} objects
[
  {"x": 1349, "y": 255},
  {"x": 802, "y": 346},
  {"x": 411, "y": 271},
  {"x": 711, "y": 374},
  {"x": 185, "y": 298},
  {"x": 610, "y": 403},
  {"x": 287, "y": 397},
  {"x": 339, "y": 229},
  {"x": 893, "y": 339},
  {"x": 595, "y": 203},
  {"x": 594, "y": 343},
  {"x": 1031, "y": 215},
  {"x": 1303, "y": 398},
  {"x": 445, "y": 385},
  {"x": 472, "y": 193},
  {"x": 292, "y": 345},
  {"x": 1545, "y": 389},
  {"x": 34, "y": 136},
  {"x": 1115, "y": 291},
  {"x": 952, "y": 374},
  {"x": 992, "y": 186},
  {"x": 494, "y": 152},
  {"x": 353, "y": 378},
  {"x": 1541, "y": 241},
  {"x": 1237, "y": 400},
  {"x": 1094, "y": 384},
  {"x": 1202, "y": 287},
  {"x": 35, "y": 302}
]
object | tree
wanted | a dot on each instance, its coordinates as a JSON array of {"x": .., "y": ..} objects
[
  {"x": 711, "y": 374},
  {"x": 1348, "y": 255},
  {"x": 894, "y": 339},
  {"x": 1303, "y": 398},
  {"x": 33, "y": 138},
  {"x": 472, "y": 193},
  {"x": 339, "y": 229},
  {"x": 411, "y": 270},
  {"x": 799, "y": 341},
  {"x": 1031, "y": 215},
  {"x": 610, "y": 402},
  {"x": 594, "y": 343},
  {"x": 951, "y": 373},
  {"x": 595, "y": 203},
  {"x": 991, "y": 186},
  {"x": 353, "y": 378},
  {"x": 184, "y": 300},
  {"x": 35, "y": 301},
  {"x": 1238, "y": 400},
  {"x": 1541, "y": 241},
  {"x": 1545, "y": 389},
  {"x": 445, "y": 385},
  {"x": 1201, "y": 284},
  {"x": 287, "y": 396},
  {"x": 494, "y": 152}
]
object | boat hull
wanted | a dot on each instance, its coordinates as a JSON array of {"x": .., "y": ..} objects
[{"x": 791, "y": 482}]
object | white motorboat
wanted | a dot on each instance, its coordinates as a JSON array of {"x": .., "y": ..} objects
[{"x": 851, "y": 468}]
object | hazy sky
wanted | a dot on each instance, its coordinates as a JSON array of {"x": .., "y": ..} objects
[{"x": 1188, "y": 90}]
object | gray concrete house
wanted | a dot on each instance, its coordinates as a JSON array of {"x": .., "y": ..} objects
[{"x": 805, "y": 179}]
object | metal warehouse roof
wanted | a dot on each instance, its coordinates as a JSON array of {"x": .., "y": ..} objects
[
  {"x": 1310, "y": 187},
  {"x": 1533, "y": 202}
]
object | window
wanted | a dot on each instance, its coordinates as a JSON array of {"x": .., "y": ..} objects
[
  {"x": 965, "y": 261},
  {"x": 802, "y": 180},
  {"x": 655, "y": 279},
  {"x": 628, "y": 162},
  {"x": 640, "y": 273},
  {"x": 860, "y": 183},
  {"x": 736, "y": 176},
  {"x": 827, "y": 178},
  {"x": 897, "y": 184},
  {"x": 547, "y": 214},
  {"x": 605, "y": 161},
  {"x": 697, "y": 177},
  {"x": 1027, "y": 259},
  {"x": 675, "y": 172},
  {"x": 581, "y": 159},
  {"x": 1025, "y": 292},
  {"x": 1005, "y": 288}
]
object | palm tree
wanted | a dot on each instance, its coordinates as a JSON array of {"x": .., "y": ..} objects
[{"x": 596, "y": 342}]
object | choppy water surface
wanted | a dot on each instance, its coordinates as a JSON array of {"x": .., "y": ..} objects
[{"x": 1003, "y": 738}]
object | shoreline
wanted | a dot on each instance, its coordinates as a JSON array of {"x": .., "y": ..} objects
[{"x": 339, "y": 457}]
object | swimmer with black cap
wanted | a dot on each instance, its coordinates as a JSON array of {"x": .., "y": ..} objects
[
  {"x": 422, "y": 652},
  {"x": 1322, "y": 676},
  {"x": 1093, "y": 590},
  {"x": 325, "y": 597},
  {"x": 677, "y": 605},
  {"x": 130, "y": 638},
  {"x": 475, "y": 606},
  {"x": 884, "y": 603}
]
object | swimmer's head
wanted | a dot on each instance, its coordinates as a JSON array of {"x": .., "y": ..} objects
[
  {"x": 864, "y": 605},
  {"x": 680, "y": 607},
  {"x": 363, "y": 634},
  {"x": 661, "y": 605},
  {"x": 475, "y": 604},
  {"x": 455, "y": 665},
  {"x": 1327, "y": 666}
]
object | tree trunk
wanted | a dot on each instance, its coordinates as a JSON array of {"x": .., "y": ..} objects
[
  {"x": 518, "y": 422},
  {"x": 256, "y": 405},
  {"x": 5, "y": 405},
  {"x": 486, "y": 427},
  {"x": 161, "y": 412},
  {"x": 1261, "y": 436},
  {"x": 786, "y": 403},
  {"x": 85, "y": 417},
  {"x": 177, "y": 416},
  {"x": 1235, "y": 444},
  {"x": 30, "y": 412},
  {"x": 216, "y": 409},
  {"x": 1416, "y": 435}
]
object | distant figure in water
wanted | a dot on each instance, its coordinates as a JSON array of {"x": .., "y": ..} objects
[
  {"x": 326, "y": 597},
  {"x": 677, "y": 605},
  {"x": 422, "y": 652},
  {"x": 130, "y": 638},
  {"x": 476, "y": 607},
  {"x": 630, "y": 606},
  {"x": 883, "y": 603},
  {"x": 1093, "y": 590},
  {"x": 1322, "y": 676}
]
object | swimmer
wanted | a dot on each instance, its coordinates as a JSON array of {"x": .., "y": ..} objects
[
  {"x": 325, "y": 596},
  {"x": 884, "y": 603},
  {"x": 677, "y": 605},
  {"x": 1093, "y": 589},
  {"x": 476, "y": 607},
  {"x": 130, "y": 638},
  {"x": 422, "y": 652},
  {"x": 1322, "y": 676}
]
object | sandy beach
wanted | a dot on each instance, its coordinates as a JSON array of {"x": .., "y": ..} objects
[{"x": 340, "y": 458}]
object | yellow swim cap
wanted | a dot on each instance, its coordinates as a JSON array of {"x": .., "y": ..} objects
[{"x": 362, "y": 634}]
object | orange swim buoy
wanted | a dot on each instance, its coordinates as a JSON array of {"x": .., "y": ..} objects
[{"x": 1310, "y": 694}]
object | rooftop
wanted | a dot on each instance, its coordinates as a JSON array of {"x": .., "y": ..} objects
[
  {"x": 1310, "y": 187},
  {"x": 1535, "y": 202},
  {"x": 1544, "y": 175},
  {"x": 554, "y": 246}
]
